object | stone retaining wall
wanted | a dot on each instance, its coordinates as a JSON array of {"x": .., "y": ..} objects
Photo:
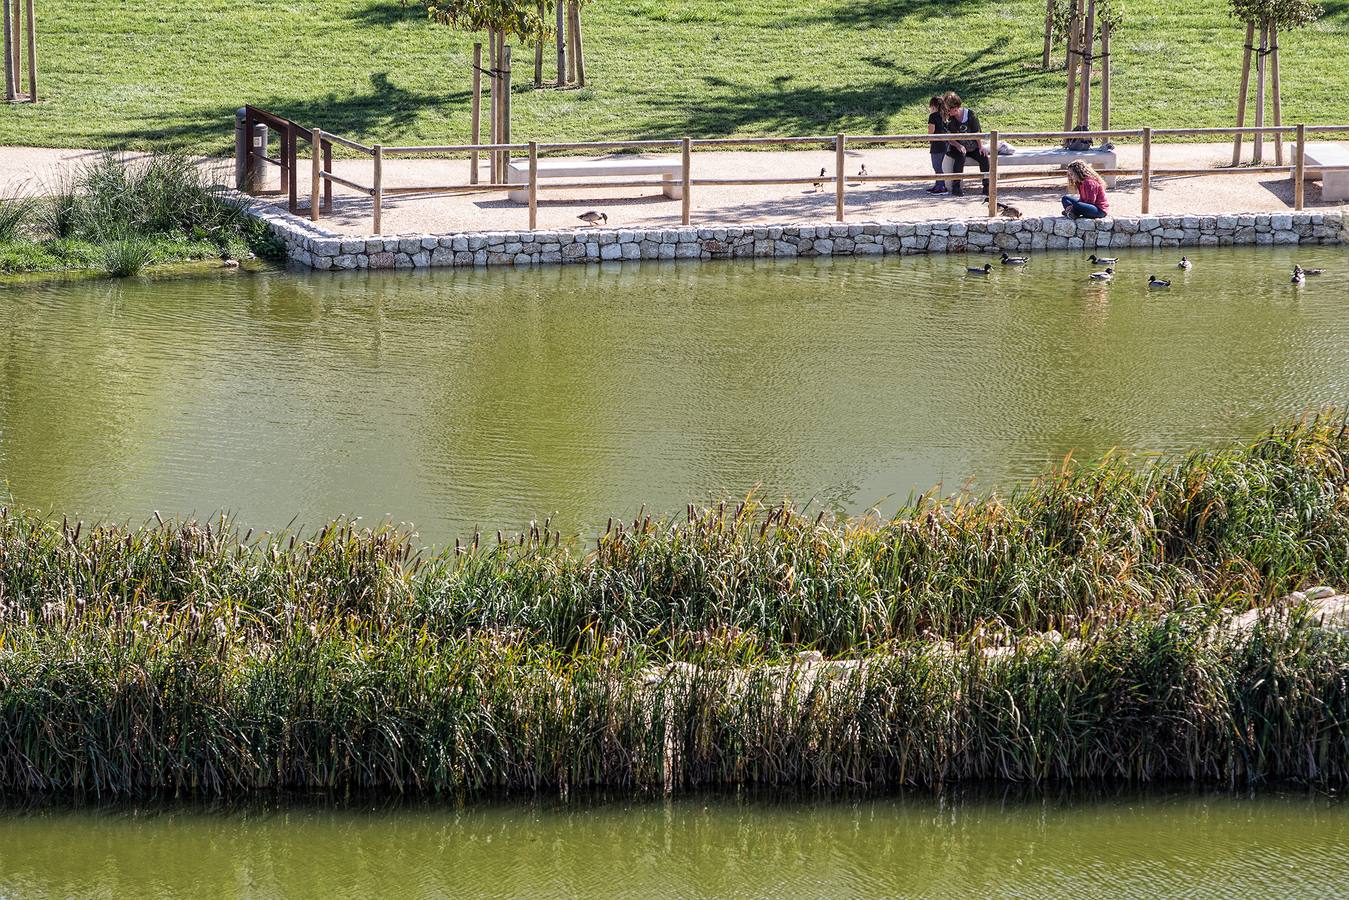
[{"x": 319, "y": 249}]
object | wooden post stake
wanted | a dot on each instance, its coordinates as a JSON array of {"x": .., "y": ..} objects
[
  {"x": 316, "y": 172},
  {"x": 32, "y": 55},
  {"x": 378, "y": 193},
  {"x": 16, "y": 46},
  {"x": 561, "y": 42},
  {"x": 327, "y": 182},
  {"x": 1049, "y": 32},
  {"x": 1258, "y": 154},
  {"x": 571, "y": 42},
  {"x": 493, "y": 117},
  {"x": 1105, "y": 76},
  {"x": 506, "y": 112},
  {"x": 1300, "y": 169},
  {"x": 10, "y": 75},
  {"x": 1147, "y": 169},
  {"x": 538, "y": 50},
  {"x": 1245, "y": 88},
  {"x": 1071, "y": 67},
  {"x": 686, "y": 157},
  {"x": 476, "y": 113},
  {"x": 839, "y": 181},
  {"x": 580, "y": 45},
  {"x": 992, "y": 174},
  {"x": 1274, "y": 88},
  {"x": 533, "y": 185}
]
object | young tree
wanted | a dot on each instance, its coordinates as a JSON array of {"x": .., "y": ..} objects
[{"x": 1269, "y": 16}]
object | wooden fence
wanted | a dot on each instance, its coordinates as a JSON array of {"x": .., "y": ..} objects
[{"x": 323, "y": 178}]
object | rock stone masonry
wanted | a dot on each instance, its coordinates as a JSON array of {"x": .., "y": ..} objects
[{"x": 316, "y": 249}]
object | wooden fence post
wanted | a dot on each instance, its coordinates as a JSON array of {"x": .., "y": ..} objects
[
  {"x": 476, "y": 113},
  {"x": 378, "y": 193},
  {"x": 1147, "y": 169},
  {"x": 1258, "y": 142},
  {"x": 839, "y": 161},
  {"x": 1049, "y": 31},
  {"x": 32, "y": 55},
  {"x": 506, "y": 114},
  {"x": 686, "y": 154},
  {"x": 1300, "y": 169},
  {"x": 1241, "y": 95},
  {"x": 992, "y": 174},
  {"x": 316, "y": 170},
  {"x": 1105, "y": 76},
  {"x": 493, "y": 118},
  {"x": 1274, "y": 89},
  {"x": 327, "y": 182},
  {"x": 580, "y": 45},
  {"x": 561, "y": 43},
  {"x": 533, "y": 185},
  {"x": 11, "y": 77}
]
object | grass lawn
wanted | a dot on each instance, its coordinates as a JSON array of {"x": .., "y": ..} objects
[{"x": 149, "y": 74}]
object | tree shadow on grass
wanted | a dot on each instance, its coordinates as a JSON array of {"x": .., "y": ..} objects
[
  {"x": 384, "y": 109},
  {"x": 728, "y": 108},
  {"x": 879, "y": 13},
  {"x": 387, "y": 13}
]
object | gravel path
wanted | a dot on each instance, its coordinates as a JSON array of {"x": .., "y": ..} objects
[{"x": 27, "y": 169}]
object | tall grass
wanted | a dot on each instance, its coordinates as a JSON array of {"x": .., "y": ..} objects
[
  {"x": 14, "y": 214},
  {"x": 183, "y": 657}
]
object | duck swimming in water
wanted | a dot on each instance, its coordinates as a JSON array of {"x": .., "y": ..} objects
[
  {"x": 1299, "y": 276},
  {"x": 1309, "y": 271},
  {"x": 1184, "y": 263},
  {"x": 988, "y": 267},
  {"x": 1155, "y": 282},
  {"x": 1107, "y": 275},
  {"x": 1014, "y": 260},
  {"x": 1103, "y": 260}
]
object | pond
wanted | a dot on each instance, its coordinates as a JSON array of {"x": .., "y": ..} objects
[
  {"x": 1130, "y": 845},
  {"x": 462, "y": 399}
]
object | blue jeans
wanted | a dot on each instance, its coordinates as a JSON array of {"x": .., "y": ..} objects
[
  {"x": 1081, "y": 209},
  {"x": 937, "y": 159}
]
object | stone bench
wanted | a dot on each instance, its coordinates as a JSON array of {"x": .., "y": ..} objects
[
  {"x": 1058, "y": 156},
  {"x": 671, "y": 172},
  {"x": 1334, "y": 185}
]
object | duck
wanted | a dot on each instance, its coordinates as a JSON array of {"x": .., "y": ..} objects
[
  {"x": 1299, "y": 276},
  {"x": 1155, "y": 282},
  {"x": 819, "y": 185},
  {"x": 593, "y": 218},
  {"x": 1009, "y": 212},
  {"x": 1184, "y": 263},
  {"x": 1108, "y": 274},
  {"x": 1309, "y": 271},
  {"x": 229, "y": 262},
  {"x": 1103, "y": 260},
  {"x": 988, "y": 267},
  {"x": 1014, "y": 260},
  {"x": 862, "y": 173}
]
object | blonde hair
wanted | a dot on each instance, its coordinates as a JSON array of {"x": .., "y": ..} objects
[{"x": 1079, "y": 172}]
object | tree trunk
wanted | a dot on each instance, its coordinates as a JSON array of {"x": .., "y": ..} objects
[
  {"x": 561, "y": 43},
  {"x": 10, "y": 75},
  {"x": 580, "y": 45},
  {"x": 538, "y": 51},
  {"x": 1071, "y": 66},
  {"x": 1258, "y": 156},
  {"x": 1089, "y": 44},
  {"x": 571, "y": 45},
  {"x": 1049, "y": 32},
  {"x": 1245, "y": 90},
  {"x": 1274, "y": 87}
]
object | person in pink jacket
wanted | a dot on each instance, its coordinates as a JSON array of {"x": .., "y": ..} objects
[{"x": 1091, "y": 201}]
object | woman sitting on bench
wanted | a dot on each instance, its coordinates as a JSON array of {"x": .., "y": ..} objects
[
  {"x": 963, "y": 121},
  {"x": 1091, "y": 201}
]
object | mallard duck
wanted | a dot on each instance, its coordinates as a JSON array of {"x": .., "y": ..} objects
[
  {"x": 1103, "y": 260},
  {"x": 1299, "y": 276},
  {"x": 1309, "y": 271},
  {"x": 988, "y": 267},
  {"x": 1014, "y": 260},
  {"x": 229, "y": 263},
  {"x": 1010, "y": 212},
  {"x": 1184, "y": 263},
  {"x": 1155, "y": 282},
  {"x": 862, "y": 173},
  {"x": 1108, "y": 274},
  {"x": 593, "y": 218},
  {"x": 819, "y": 185}
]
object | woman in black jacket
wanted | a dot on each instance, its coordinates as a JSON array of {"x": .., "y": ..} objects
[{"x": 960, "y": 120}]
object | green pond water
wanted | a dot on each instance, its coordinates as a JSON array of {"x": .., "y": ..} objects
[
  {"x": 455, "y": 400},
  {"x": 1153, "y": 845}
]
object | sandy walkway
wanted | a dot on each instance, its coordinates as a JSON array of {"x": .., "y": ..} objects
[{"x": 26, "y": 169}]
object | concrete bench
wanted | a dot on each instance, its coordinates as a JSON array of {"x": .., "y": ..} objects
[
  {"x": 1334, "y": 185},
  {"x": 671, "y": 172},
  {"x": 1058, "y": 156}
]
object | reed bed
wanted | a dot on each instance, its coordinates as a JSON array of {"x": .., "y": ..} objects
[{"x": 1066, "y": 632}]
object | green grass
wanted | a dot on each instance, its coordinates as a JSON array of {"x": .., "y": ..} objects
[
  {"x": 152, "y": 74},
  {"x": 121, "y": 216},
  {"x": 180, "y": 658}
]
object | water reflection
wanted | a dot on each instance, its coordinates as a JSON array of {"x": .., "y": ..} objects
[{"x": 462, "y": 399}]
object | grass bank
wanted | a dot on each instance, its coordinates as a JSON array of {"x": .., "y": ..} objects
[
  {"x": 151, "y": 74},
  {"x": 186, "y": 658},
  {"x": 120, "y": 215}
]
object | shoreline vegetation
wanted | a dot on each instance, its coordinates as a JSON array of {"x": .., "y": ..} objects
[
  {"x": 1071, "y": 632},
  {"x": 120, "y": 215}
]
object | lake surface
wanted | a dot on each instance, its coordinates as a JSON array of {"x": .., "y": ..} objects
[
  {"x": 1149, "y": 845},
  {"x": 458, "y": 399}
]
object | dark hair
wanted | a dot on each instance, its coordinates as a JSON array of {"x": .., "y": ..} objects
[
  {"x": 935, "y": 101},
  {"x": 951, "y": 100}
]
